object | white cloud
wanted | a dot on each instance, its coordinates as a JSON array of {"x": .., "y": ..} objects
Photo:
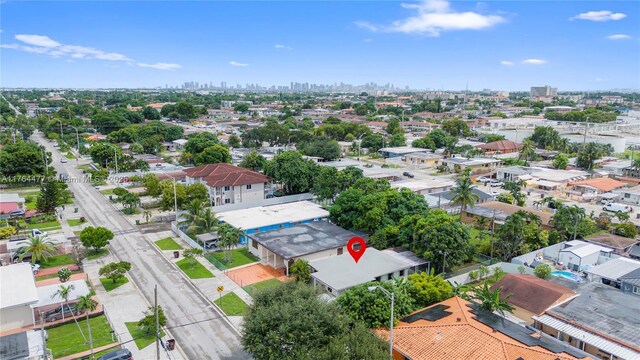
[
  {"x": 604, "y": 15},
  {"x": 235, "y": 63},
  {"x": 161, "y": 66},
  {"x": 433, "y": 17},
  {"x": 44, "y": 45},
  {"x": 279, "y": 46},
  {"x": 619, "y": 37},
  {"x": 534, "y": 62},
  {"x": 506, "y": 63}
]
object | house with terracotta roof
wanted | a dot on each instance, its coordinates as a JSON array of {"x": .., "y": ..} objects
[
  {"x": 594, "y": 187},
  {"x": 456, "y": 329},
  {"x": 620, "y": 244},
  {"x": 499, "y": 211},
  {"x": 531, "y": 295},
  {"x": 499, "y": 147},
  {"x": 229, "y": 184}
]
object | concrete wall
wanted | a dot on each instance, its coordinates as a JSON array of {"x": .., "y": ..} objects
[
  {"x": 549, "y": 253},
  {"x": 509, "y": 268},
  {"x": 15, "y": 317}
]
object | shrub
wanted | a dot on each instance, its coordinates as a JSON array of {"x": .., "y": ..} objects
[
  {"x": 543, "y": 271},
  {"x": 64, "y": 274},
  {"x": 626, "y": 229}
]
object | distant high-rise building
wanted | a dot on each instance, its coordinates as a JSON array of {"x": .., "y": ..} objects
[{"x": 543, "y": 91}]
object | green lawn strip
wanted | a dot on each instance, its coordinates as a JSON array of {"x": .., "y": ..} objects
[
  {"x": 168, "y": 244},
  {"x": 106, "y": 192},
  {"x": 75, "y": 222},
  {"x": 58, "y": 260},
  {"x": 194, "y": 270},
  {"x": 55, "y": 275},
  {"x": 91, "y": 254},
  {"x": 140, "y": 336},
  {"x": 77, "y": 233},
  {"x": 238, "y": 257},
  {"x": 70, "y": 156},
  {"x": 110, "y": 285},
  {"x": 251, "y": 289},
  {"x": 44, "y": 225},
  {"x": 232, "y": 305},
  {"x": 31, "y": 205},
  {"x": 65, "y": 340}
]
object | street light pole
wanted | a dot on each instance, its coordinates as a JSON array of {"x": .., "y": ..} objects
[
  {"x": 444, "y": 261},
  {"x": 115, "y": 153},
  {"x": 391, "y": 296},
  {"x": 77, "y": 139},
  {"x": 360, "y": 145},
  {"x": 175, "y": 197}
]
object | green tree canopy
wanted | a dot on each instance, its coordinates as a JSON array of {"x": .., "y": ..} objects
[
  {"x": 427, "y": 289},
  {"x": 115, "y": 271},
  {"x": 212, "y": 155},
  {"x": 95, "y": 237},
  {"x": 373, "y": 308}
]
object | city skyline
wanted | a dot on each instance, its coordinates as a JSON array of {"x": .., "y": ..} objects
[{"x": 432, "y": 44}]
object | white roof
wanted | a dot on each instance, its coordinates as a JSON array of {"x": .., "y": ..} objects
[
  {"x": 47, "y": 294},
  {"x": 560, "y": 175},
  {"x": 180, "y": 141},
  {"x": 588, "y": 337},
  {"x": 422, "y": 184},
  {"x": 11, "y": 198},
  {"x": 18, "y": 286},
  {"x": 541, "y": 182},
  {"x": 342, "y": 272},
  {"x": 584, "y": 250},
  {"x": 613, "y": 269},
  {"x": 401, "y": 149},
  {"x": 256, "y": 217}
]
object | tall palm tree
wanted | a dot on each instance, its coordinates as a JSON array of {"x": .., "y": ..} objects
[
  {"x": 527, "y": 150},
  {"x": 207, "y": 222},
  {"x": 193, "y": 212},
  {"x": 64, "y": 292},
  {"x": 563, "y": 145},
  {"x": 491, "y": 300},
  {"x": 482, "y": 222},
  {"x": 229, "y": 237},
  {"x": 87, "y": 304},
  {"x": 463, "y": 194},
  {"x": 39, "y": 249}
]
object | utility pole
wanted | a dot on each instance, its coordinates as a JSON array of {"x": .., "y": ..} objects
[
  {"x": 155, "y": 295},
  {"x": 586, "y": 127},
  {"x": 44, "y": 338},
  {"x": 493, "y": 230}
]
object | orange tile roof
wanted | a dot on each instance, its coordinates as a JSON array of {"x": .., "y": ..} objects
[
  {"x": 602, "y": 184},
  {"x": 500, "y": 145},
  {"x": 460, "y": 336},
  {"x": 532, "y": 293},
  {"x": 223, "y": 174}
]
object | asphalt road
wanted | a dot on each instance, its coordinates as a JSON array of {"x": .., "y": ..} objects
[{"x": 205, "y": 335}]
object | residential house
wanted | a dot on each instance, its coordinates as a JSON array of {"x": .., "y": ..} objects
[
  {"x": 310, "y": 241},
  {"x": 336, "y": 274},
  {"x": 500, "y": 211},
  {"x": 499, "y": 147},
  {"x": 602, "y": 321},
  {"x": 399, "y": 151},
  {"x": 179, "y": 144},
  {"x": 423, "y": 160},
  {"x": 617, "y": 168},
  {"x": 621, "y": 245},
  {"x": 593, "y": 188},
  {"x": 459, "y": 329},
  {"x": 424, "y": 186},
  {"x": 478, "y": 166},
  {"x": 229, "y": 184},
  {"x": 630, "y": 282},
  {"x": 611, "y": 272},
  {"x": 443, "y": 200},
  {"x": 579, "y": 255},
  {"x": 49, "y": 298},
  {"x": 17, "y": 295},
  {"x": 515, "y": 173},
  {"x": 531, "y": 295},
  {"x": 629, "y": 195},
  {"x": 26, "y": 345},
  {"x": 11, "y": 202}
]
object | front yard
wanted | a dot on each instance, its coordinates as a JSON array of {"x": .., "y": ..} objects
[
  {"x": 65, "y": 340},
  {"x": 251, "y": 289},
  {"x": 232, "y": 305},
  {"x": 140, "y": 336},
  {"x": 110, "y": 285},
  {"x": 168, "y": 244},
  {"x": 238, "y": 257},
  {"x": 193, "y": 269},
  {"x": 49, "y": 225},
  {"x": 58, "y": 260}
]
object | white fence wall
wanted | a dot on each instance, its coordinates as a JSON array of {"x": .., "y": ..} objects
[
  {"x": 549, "y": 252},
  {"x": 509, "y": 268},
  {"x": 184, "y": 236}
]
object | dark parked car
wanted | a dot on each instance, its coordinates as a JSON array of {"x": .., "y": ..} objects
[
  {"x": 122, "y": 354},
  {"x": 56, "y": 314},
  {"x": 408, "y": 174}
]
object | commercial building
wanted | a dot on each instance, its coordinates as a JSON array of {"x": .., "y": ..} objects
[{"x": 543, "y": 91}]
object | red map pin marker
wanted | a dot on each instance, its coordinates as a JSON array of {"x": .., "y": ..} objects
[{"x": 356, "y": 247}]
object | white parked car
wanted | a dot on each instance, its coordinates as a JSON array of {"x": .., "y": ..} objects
[
  {"x": 483, "y": 179},
  {"x": 616, "y": 207},
  {"x": 495, "y": 183}
]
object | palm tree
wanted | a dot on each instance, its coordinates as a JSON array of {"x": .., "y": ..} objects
[
  {"x": 563, "y": 145},
  {"x": 482, "y": 222},
  {"x": 207, "y": 222},
  {"x": 491, "y": 301},
  {"x": 463, "y": 194},
  {"x": 39, "y": 249},
  {"x": 64, "y": 292},
  {"x": 192, "y": 214},
  {"x": 229, "y": 237},
  {"x": 527, "y": 150},
  {"x": 86, "y": 303}
]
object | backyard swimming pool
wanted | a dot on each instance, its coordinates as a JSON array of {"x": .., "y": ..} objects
[{"x": 567, "y": 275}]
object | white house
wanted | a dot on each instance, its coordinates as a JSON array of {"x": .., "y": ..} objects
[
  {"x": 579, "y": 255},
  {"x": 229, "y": 184},
  {"x": 17, "y": 295}
]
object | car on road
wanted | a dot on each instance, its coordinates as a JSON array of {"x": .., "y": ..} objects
[
  {"x": 56, "y": 314},
  {"x": 496, "y": 183},
  {"x": 483, "y": 179},
  {"x": 38, "y": 232},
  {"x": 64, "y": 160},
  {"x": 615, "y": 207},
  {"x": 408, "y": 174},
  {"x": 121, "y": 354}
]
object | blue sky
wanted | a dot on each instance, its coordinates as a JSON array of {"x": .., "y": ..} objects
[{"x": 508, "y": 45}]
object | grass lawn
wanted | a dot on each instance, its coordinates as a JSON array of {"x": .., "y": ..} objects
[
  {"x": 261, "y": 285},
  {"x": 168, "y": 244},
  {"x": 232, "y": 305},
  {"x": 106, "y": 192},
  {"x": 91, "y": 254},
  {"x": 70, "y": 156},
  {"x": 198, "y": 271},
  {"x": 57, "y": 260},
  {"x": 141, "y": 338},
  {"x": 31, "y": 205},
  {"x": 110, "y": 285},
  {"x": 238, "y": 257},
  {"x": 66, "y": 339},
  {"x": 49, "y": 225},
  {"x": 84, "y": 167},
  {"x": 75, "y": 222},
  {"x": 77, "y": 233}
]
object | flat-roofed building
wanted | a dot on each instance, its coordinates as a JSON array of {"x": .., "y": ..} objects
[{"x": 17, "y": 295}]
